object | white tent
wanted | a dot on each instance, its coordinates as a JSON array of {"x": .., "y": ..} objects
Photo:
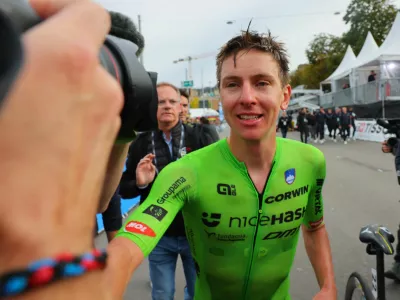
[
  {"x": 348, "y": 59},
  {"x": 343, "y": 70},
  {"x": 389, "y": 50}
]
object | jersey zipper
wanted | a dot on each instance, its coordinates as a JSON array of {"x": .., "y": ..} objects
[{"x": 259, "y": 212}]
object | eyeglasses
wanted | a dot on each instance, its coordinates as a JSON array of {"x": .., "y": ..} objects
[{"x": 171, "y": 101}]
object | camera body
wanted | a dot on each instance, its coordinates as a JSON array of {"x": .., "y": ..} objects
[
  {"x": 117, "y": 56},
  {"x": 393, "y": 127}
]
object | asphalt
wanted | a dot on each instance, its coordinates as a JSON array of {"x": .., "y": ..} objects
[{"x": 361, "y": 188}]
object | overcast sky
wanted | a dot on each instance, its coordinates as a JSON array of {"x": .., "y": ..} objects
[{"x": 176, "y": 29}]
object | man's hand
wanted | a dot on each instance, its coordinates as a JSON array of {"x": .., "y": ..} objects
[
  {"x": 57, "y": 128},
  {"x": 386, "y": 148},
  {"x": 326, "y": 294},
  {"x": 145, "y": 171}
]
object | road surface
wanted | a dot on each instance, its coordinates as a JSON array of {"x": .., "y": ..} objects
[{"x": 361, "y": 188}]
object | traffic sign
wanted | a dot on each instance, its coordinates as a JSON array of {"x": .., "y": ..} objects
[{"x": 187, "y": 83}]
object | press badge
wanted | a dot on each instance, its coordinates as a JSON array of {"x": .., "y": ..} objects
[{"x": 182, "y": 152}]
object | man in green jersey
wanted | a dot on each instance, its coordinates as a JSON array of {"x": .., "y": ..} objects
[{"x": 245, "y": 198}]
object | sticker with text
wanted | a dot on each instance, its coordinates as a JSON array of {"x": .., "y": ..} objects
[{"x": 140, "y": 228}]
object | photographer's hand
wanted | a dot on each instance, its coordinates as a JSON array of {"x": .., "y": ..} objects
[
  {"x": 386, "y": 148},
  {"x": 57, "y": 128}
]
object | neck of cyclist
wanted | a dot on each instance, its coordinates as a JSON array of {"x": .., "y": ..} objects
[
  {"x": 256, "y": 154},
  {"x": 166, "y": 127}
]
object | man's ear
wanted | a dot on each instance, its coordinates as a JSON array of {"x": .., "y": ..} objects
[{"x": 287, "y": 92}]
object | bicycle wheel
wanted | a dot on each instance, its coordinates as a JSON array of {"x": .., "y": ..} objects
[{"x": 358, "y": 288}]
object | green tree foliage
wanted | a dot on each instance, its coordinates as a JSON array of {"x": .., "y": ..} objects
[
  {"x": 376, "y": 16},
  {"x": 326, "y": 51},
  {"x": 325, "y": 46},
  {"x": 324, "y": 54}
]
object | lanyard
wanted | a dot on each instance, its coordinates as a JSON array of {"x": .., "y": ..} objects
[{"x": 179, "y": 155}]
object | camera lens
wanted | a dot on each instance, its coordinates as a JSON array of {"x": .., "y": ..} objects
[{"x": 11, "y": 54}]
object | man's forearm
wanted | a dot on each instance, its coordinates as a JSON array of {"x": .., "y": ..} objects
[
  {"x": 124, "y": 258},
  {"x": 319, "y": 252},
  {"x": 113, "y": 174}
]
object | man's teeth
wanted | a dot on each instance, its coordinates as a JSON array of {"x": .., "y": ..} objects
[{"x": 246, "y": 117}]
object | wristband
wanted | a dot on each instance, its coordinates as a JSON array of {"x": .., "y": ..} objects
[{"x": 45, "y": 271}]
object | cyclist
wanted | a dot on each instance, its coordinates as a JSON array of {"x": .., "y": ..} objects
[
  {"x": 245, "y": 198},
  {"x": 394, "y": 272}
]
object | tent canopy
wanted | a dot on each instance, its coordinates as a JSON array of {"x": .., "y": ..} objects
[
  {"x": 369, "y": 49},
  {"x": 389, "y": 50},
  {"x": 345, "y": 66}
]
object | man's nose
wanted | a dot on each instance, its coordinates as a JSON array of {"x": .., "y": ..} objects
[{"x": 247, "y": 96}]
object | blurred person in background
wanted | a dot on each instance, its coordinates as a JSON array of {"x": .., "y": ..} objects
[
  {"x": 184, "y": 115},
  {"x": 353, "y": 118},
  {"x": 312, "y": 125},
  {"x": 284, "y": 124},
  {"x": 345, "y": 124},
  {"x": 331, "y": 123},
  {"x": 320, "y": 118},
  {"x": 172, "y": 141},
  {"x": 302, "y": 125}
]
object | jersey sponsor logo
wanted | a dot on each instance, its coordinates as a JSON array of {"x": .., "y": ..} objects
[
  {"x": 226, "y": 237},
  {"x": 156, "y": 212},
  {"x": 140, "y": 228},
  {"x": 171, "y": 190},
  {"x": 316, "y": 224},
  {"x": 282, "y": 234},
  {"x": 182, "y": 192},
  {"x": 211, "y": 220},
  {"x": 284, "y": 217},
  {"x": 290, "y": 176},
  {"x": 318, "y": 197},
  {"x": 287, "y": 195},
  {"x": 226, "y": 189}
]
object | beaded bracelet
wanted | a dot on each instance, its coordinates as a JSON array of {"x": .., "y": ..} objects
[{"x": 45, "y": 271}]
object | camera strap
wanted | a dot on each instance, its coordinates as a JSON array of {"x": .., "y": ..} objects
[{"x": 181, "y": 151}]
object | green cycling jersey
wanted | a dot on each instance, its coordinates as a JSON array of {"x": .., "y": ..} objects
[{"x": 243, "y": 242}]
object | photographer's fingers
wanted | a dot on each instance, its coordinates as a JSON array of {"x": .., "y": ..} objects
[{"x": 84, "y": 20}]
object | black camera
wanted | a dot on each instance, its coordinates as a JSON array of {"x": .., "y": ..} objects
[
  {"x": 392, "y": 126},
  {"x": 117, "y": 56}
]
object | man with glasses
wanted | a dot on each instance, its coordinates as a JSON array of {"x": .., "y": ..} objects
[{"x": 171, "y": 142}]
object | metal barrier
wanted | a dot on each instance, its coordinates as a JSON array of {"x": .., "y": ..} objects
[{"x": 388, "y": 89}]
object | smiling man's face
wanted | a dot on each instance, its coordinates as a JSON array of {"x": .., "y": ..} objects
[{"x": 252, "y": 94}]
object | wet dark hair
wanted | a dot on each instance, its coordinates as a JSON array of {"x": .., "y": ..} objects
[{"x": 249, "y": 40}]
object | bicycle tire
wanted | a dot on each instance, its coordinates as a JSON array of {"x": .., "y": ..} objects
[{"x": 355, "y": 281}]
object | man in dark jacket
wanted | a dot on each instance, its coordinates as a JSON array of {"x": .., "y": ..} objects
[
  {"x": 353, "y": 118},
  {"x": 284, "y": 124},
  {"x": 345, "y": 124},
  {"x": 302, "y": 125},
  {"x": 172, "y": 141},
  {"x": 320, "y": 122},
  {"x": 312, "y": 124},
  {"x": 331, "y": 123}
]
